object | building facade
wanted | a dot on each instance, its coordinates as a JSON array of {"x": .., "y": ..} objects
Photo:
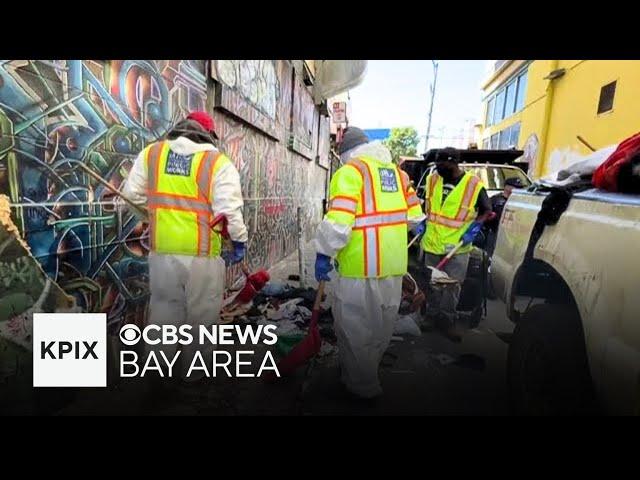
[
  {"x": 55, "y": 114},
  {"x": 557, "y": 110}
]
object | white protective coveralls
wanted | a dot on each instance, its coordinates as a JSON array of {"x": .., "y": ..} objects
[
  {"x": 364, "y": 309},
  {"x": 189, "y": 289}
]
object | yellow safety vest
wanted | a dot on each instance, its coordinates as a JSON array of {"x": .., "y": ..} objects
[
  {"x": 447, "y": 222},
  {"x": 179, "y": 201},
  {"x": 374, "y": 199}
]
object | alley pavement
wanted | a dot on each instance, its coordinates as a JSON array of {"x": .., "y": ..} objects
[{"x": 420, "y": 375}]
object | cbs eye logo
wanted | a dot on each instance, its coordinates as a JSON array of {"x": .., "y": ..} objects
[{"x": 130, "y": 334}]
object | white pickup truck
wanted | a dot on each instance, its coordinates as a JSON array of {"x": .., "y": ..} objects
[{"x": 576, "y": 344}]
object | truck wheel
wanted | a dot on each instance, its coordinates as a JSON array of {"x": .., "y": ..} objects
[{"x": 547, "y": 365}]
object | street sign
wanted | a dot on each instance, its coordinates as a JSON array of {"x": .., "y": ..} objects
[{"x": 340, "y": 112}]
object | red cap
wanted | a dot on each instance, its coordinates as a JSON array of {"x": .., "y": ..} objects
[{"x": 204, "y": 119}]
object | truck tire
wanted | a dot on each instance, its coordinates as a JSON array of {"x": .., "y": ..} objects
[{"x": 547, "y": 365}]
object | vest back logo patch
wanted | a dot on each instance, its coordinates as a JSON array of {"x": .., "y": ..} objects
[
  {"x": 388, "y": 180},
  {"x": 178, "y": 165}
]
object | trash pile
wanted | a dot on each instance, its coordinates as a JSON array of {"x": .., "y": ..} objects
[
  {"x": 289, "y": 307},
  {"x": 286, "y": 306}
]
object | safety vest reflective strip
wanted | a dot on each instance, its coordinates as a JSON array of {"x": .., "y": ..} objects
[
  {"x": 433, "y": 178},
  {"x": 344, "y": 203},
  {"x": 412, "y": 200},
  {"x": 410, "y": 197},
  {"x": 200, "y": 205},
  {"x": 464, "y": 208},
  {"x": 381, "y": 219},
  {"x": 370, "y": 220},
  {"x": 368, "y": 196}
]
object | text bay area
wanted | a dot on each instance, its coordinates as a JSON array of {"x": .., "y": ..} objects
[{"x": 220, "y": 363}]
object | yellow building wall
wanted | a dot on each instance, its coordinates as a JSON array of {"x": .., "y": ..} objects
[
  {"x": 572, "y": 110},
  {"x": 531, "y": 115},
  {"x": 575, "y": 107}
]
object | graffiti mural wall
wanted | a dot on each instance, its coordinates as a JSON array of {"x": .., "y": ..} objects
[
  {"x": 278, "y": 179},
  {"x": 56, "y": 114}
]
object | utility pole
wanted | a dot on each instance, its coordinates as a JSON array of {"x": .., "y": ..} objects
[{"x": 432, "y": 87}]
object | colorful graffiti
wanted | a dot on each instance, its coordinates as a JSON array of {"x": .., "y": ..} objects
[
  {"x": 58, "y": 114},
  {"x": 276, "y": 179}
]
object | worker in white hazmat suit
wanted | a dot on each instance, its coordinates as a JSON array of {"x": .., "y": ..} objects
[
  {"x": 185, "y": 183},
  {"x": 371, "y": 205}
]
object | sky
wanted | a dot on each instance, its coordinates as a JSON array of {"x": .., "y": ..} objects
[{"x": 395, "y": 93}]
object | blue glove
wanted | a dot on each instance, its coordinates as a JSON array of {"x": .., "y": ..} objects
[
  {"x": 239, "y": 249},
  {"x": 323, "y": 267},
  {"x": 419, "y": 228},
  {"x": 472, "y": 232}
]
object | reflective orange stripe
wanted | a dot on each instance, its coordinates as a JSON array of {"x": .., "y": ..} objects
[
  {"x": 412, "y": 200},
  {"x": 344, "y": 203},
  {"x": 368, "y": 196},
  {"x": 445, "y": 221},
  {"x": 347, "y": 197},
  {"x": 405, "y": 181},
  {"x": 176, "y": 204},
  {"x": 338, "y": 209},
  {"x": 377, "y": 251},
  {"x": 200, "y": 205},
  {"x": 177, "y": 196},
  {"x": 381, "y": 218},
  {"x": 464, "y": 208},
  {"x": 373, "y": 192},
  {"x": 404, "y": 210},
  {"x": 432, "y": 183},
  {"x": 430, "y": 188},
  {"x": 465, "y": 205},
  {"x": 205, "y": 172},
  {"x": 371, "y": 220},
  {"x": 153, "y": 165}
]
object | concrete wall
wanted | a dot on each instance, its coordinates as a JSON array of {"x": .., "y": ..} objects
[{"x": 57, "y": 113}]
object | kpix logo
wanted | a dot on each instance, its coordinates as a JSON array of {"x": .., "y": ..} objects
[{"x": 69, "y": 350}]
